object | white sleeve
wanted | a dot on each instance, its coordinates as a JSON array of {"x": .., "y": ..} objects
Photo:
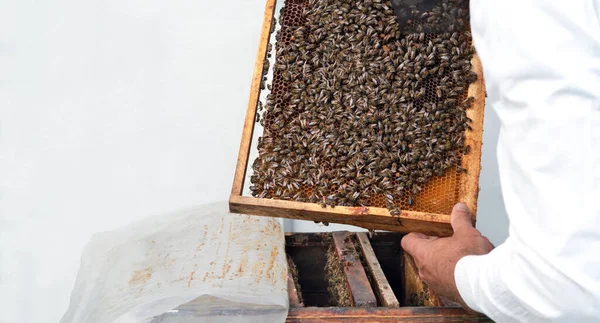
[{"x": 541, "y": 62}]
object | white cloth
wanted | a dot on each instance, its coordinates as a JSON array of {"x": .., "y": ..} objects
[{"x": 541, "y": 61}]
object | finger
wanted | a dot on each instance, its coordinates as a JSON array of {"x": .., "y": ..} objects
[
  {"x": 413, "y": 242},
  {"x": 460, "y": 219}
]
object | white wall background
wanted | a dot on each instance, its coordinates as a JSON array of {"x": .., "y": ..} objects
[{"x": 111, "y": 110}]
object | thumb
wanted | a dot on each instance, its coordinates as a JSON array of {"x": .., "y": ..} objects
[
  {"x": 460, "y": 219},
  {"x": 413, "y": 242}
]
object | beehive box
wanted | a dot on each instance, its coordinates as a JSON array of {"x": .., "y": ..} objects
[
  {"x": 379, "y": 281},
  {"x": 427, "y": 211}
]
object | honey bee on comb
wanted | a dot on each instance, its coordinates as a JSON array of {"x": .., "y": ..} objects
[{"x": 362, "y": 113}]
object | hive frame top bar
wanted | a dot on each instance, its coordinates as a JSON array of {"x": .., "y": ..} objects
[{"x": 364, "y": 216}]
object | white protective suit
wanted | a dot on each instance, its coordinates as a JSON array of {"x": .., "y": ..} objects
[{"x": 541, "y": 61}]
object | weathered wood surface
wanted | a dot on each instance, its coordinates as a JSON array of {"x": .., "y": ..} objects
[
  {"x": 366, "y": 217},
  {"x": 469, "y": 188},
  {"x": 382, "y": 314},
  {"x": 311, "y": 239},
  {"x": 293, "y": 292},
  {"x": 380, "y": 284},
  {"x": 358, "y": 283},
  {"x": 416, "y": 292}
]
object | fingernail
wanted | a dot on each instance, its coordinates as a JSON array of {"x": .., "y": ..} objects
[{"x": 461, "y": 207}]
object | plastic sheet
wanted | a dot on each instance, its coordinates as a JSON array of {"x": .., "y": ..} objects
[{"x": 200, "y": 265}]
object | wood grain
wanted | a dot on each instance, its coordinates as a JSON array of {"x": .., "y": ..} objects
[
  {"x": 378, "y": 280},
  {"x": 293, "y": 292},
  {"x": 242, "y": 161},
  {"x": 382, "y": 314},
  {"x": 414, "y": 287},
  {"x": 358, "y": 283},
  {"x": 370, "y": 218},
  {"x": 312, "y": 239},
  {"x": 469, "y": 188}
]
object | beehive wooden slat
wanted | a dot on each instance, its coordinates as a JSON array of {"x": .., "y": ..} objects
[
  {"x": 293, "y": 292},
  {"x": 415, "y": 290},
  {"x": 469, "y": 188},
  {"x": 379, "y": 281},
  {"x": 382, "y": 314},
  {"x": 366, "y": 216},
  {"x": 358, "y": 283}
]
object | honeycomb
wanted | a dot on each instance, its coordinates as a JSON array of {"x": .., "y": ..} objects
[{"x": 438, "y": 195}]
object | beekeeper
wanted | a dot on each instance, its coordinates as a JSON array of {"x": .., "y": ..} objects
[{"x": 541, "y": 62}]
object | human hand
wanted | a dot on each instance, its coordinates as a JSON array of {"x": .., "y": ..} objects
[{"x": 436, "y": 258}]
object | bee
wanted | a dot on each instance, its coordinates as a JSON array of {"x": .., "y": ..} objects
[{"x": 348, "y": 84}]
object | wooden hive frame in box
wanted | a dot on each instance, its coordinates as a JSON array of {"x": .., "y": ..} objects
[
  {"x": 381, "y": 281},
  {"x": 376, "y": 218}
]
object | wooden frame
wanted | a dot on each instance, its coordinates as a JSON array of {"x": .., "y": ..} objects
[
  {"x": 367, "y": 217},
  {"x": 358, "y": 283},
  {"x": 379, "y": 281}
]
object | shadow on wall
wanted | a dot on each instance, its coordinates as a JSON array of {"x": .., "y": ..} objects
[{"x": 492, "y": 220}]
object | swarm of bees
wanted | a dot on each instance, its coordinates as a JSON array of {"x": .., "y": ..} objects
[
  {"x": 445, "y": 16},
  {"x": 361, "y": 108}
]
